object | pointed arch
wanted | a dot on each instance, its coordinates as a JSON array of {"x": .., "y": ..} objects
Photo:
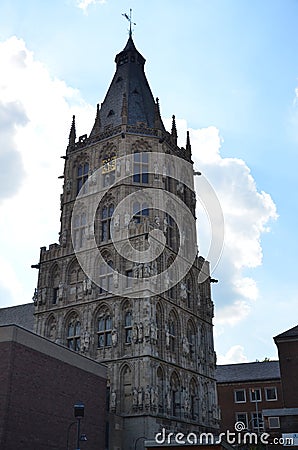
[
  {"x": 127, "y": 321},
  {"x": 103, "y": 326},
  {"x": 51, "y": 327},
  {"x": 175, "y": 390},
  {"x": 126, "y": 385},
  {"x": 72, "y": 331}
]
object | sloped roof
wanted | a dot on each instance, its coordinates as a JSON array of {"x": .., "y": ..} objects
[
  {"x": 21, "y": 315},
  {"x": 254, "y": 371},
  {"x": 291, "y": 333},
  {"x": 129, "y": 93}
]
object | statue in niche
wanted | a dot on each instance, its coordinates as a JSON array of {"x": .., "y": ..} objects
[
  {"x": 155, "y": 170},
  {"x": 134, "y": 333},
  {"x": 135, "y": 398},
  {"x": 154, "y": 397},
  {"x": 140, "y": 398},
  {"x": 180, "y": 188},
  {"x": 35, "y": 296},
  {"x": 156, "y": 222},
  {"x": 127, "y": 165},
  {"x": 114, "y": 337},
  {"x": 165, "y": 225},
  {"x": 138, "y": 270},
  {"x": 146, "y": 270},
  {"x": 169, "y": 400},
  {"x": 167, "y": 280},
  {"x": 147, "y": 328},
  {"x": 164, "y": 171},
  {"x": 52, "y": 330},
  {"x": 116, "y": 221},
  {"x": 113, "y": 401},
  {"x": 153, "y": 332},
  {"x": 87, "y": 286},
  {"x": 118, "y": 167},
  {"x": 183, "y": 290},
  {"x": 167, "y": 338},
  {"x": 182, "y": 238},
  {"x": 68, "y": 185},
  {"x": 185, "y": 346},
  {"x": 86, "y": 340},
  {"x": 115, "y": 278},
  {"x": 126, "y": 219},
  {"x": 147, "y": 397},
  {"x": 60, "y": 290},
  {"x": 140, "y": 332},
  {"x": 63, "y": 238},
  {"x": 43, "y": 296}
]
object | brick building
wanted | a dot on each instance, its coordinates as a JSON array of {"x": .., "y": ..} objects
[
  {"x": 287, "y": 416},
  {"x": 245, "y": 390},
  {"x": 40, "y": 382}
]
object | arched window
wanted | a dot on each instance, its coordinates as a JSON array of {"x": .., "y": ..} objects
[
  {"x": 105, "y": 278},
  {"x": 191, "y": 338},
  {"x": 82, "y": 176},
  {"x": 173, "y": 334},
  {"x": 140, "y": 211},
  {"x": 140, "y": 167},
  {"x": 73, "y": 337},
  {"x": 106, "y": 218},
  {"x": 175, "y": 395},
  {"x": 193, "y": 393},
  {"x": 104, "y": 329},
  {"x": 126, "y": 383},
  {"x": 108, "y": 168},
  {"x": 161, "y": 389},
  {"x": 128, "y": 327},
  {"x": 79, "y": 230}
]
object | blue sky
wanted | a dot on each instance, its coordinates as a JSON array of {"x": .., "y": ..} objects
[{"x": 228, "y": 70}]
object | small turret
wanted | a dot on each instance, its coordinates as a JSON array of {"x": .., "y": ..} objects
[
  {"x": 72, "y": 134},
  {"x": 174, "y": 130}
]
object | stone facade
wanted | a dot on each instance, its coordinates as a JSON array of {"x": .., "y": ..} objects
[{"x": 154, "y": 334}]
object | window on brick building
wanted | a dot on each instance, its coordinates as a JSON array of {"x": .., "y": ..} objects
[
  {"x": 270, "y": 394},
  {"x": 240, "y": 396},
  {"x": 242, "y": 417},
  {"x": 257, "y": 421},
  {"x": 255, "y": 395}
]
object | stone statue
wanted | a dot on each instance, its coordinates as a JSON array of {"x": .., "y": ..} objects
[
  {"x": 167, "y": 280},
  {"x": 183, "y": 290},
  {"x": 113, "y": 401},
  {"x": 185, "y": 346},
  {"x": 140, "y": 332},
  {"x": 126, "y": 219},
  {"x": 115, "y": 278},
  {"x": 134, "y": 333},
  {"x": 35, "y": 296},
  {"x": 68, "y": 186},
  {"x": 147, "y": 328},
  {"x": 146, "y": 270},
  {"x": 127, "y": 165},
  {"x": 140, "y": 398},
  {"x": 182, "y": 238},
  {"x": 116, "y": 221},
  {"x": 118, "y": 167},
  {"x": 114, "y": 337},
  {"x": 153, "y": 332},
  {"x": 63, "y": 238},
  {"x": 134, "y": 397},
  {"x": 155, "y": 170},
  {"x": 167, "y": 338},
  {"x": 86, "y": 340},
  {"x": 165, "y": 225},
  {"x": 168, "y": 400},
  {"x": 60, "y": 290},
  {"x": 157, "y": 222},
  {"x": 147, "y": 397}
]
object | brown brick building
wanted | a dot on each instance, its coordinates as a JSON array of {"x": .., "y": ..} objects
[
  {"x": 40, "y": 382},
  {"x": 244, "y": 390}
]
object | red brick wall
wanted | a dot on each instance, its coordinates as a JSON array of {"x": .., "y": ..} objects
[
  {"x": 229, "y": 408},
  {"x": 288, "y": 361},
  {"x": 41, "y": 395}
]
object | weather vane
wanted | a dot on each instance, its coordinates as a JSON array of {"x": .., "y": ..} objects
[{"x": 129, "y": 20}]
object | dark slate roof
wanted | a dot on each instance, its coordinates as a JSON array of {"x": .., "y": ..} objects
[
  {"x": 254, "y": 371},
  {"x": 129, "y": 79},
  {"x": 291, "y": 333},
  {"x": 21, "y": 315}
]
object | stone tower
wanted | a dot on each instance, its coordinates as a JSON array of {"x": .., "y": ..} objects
[{"x": 125, "y": 285}]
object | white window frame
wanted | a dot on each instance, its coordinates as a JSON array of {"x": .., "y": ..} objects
[
  {"x": 237, "y": 414},
  {"x": 266, "y": 396},
  {"x": 251, "y": 392},
  {"x": 235, "y": 398},
  {"x": 271, "y": 426}
]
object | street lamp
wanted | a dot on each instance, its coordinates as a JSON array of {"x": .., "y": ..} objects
[{"x": 79, "y": 409}]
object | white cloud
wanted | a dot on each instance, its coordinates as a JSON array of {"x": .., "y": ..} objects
[
  {"x": 247, "y": 215},
  {"x": 233, "y": 356},
  {"x": 84, "y": 4},
  {"x": 36, "y": 111}
]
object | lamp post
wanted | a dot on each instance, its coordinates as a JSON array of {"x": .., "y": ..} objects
[{"x": 79, "y": 409}]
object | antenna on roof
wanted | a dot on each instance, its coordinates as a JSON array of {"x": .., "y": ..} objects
[{"x": 129, "y": 20}]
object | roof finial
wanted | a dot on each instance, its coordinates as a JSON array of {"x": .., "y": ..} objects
[
  {"x": 174, "y": 129},
  {"x": 130, "y": 21},
  {"x": 72, "y": 133},
  {"x": 188, "y": 146}
]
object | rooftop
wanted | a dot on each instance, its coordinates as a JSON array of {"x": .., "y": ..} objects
[
  {"x": 291, "y": 333},
  {"x": 254, "y": 371},
  {"x": 21, "y": 315}
]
